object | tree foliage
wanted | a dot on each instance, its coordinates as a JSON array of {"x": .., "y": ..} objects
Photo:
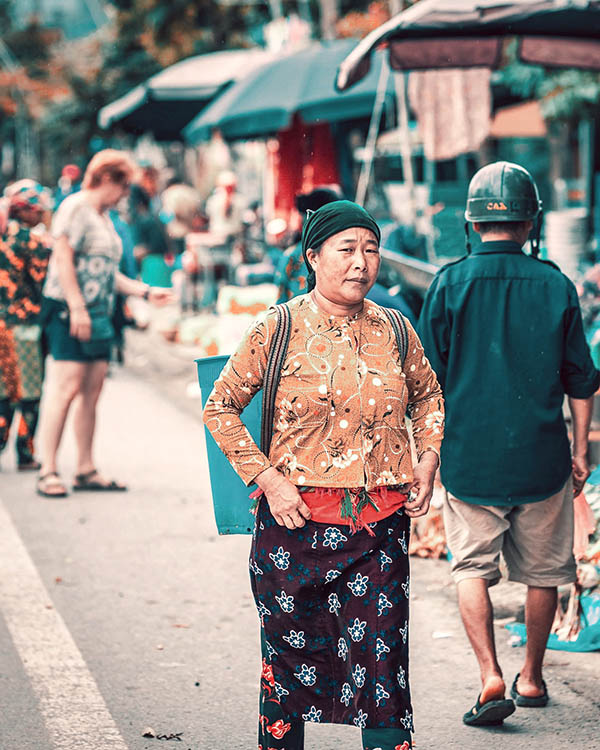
[{"x": 563, "y": 94}]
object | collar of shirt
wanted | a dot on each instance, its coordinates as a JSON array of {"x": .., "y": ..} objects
[
  {"x": 341, "y": 318},
  {"x": 497, "y": 246}
]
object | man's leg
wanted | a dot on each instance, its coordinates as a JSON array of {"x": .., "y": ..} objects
[
  {"x": 63, "y": 383},
  {"x": 478, "y": 618},
  {"x": 84, "y": 417},
  {"x": 539, "y": 553},
  {"x": 539, "y": 614},
  {"x": 475, "y": 536}
]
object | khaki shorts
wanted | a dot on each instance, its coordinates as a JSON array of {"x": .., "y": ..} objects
[{"x": 535, "y": 539}]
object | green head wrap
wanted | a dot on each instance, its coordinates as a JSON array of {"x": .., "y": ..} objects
[{"x": 329, "y": 220}]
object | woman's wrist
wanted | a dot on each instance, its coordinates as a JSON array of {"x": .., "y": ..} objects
[
  {"x": 266, "y": 477},
  {"x": 430, "y": 457},
  {"x": 145, "y": 291}
]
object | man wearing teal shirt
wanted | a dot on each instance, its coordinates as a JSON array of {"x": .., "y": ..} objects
[{"x": 503, "y": 332}]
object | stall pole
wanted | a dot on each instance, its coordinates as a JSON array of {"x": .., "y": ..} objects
[{"x": 367, "y": 165}]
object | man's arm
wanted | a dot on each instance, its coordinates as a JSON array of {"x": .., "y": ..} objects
[{"x": 581, "y": 417}]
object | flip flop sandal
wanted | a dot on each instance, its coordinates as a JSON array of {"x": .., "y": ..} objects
[
  {"x": 489, "y": 714},
  {"x": 87, "y": 483},
  {"x": 525, "y": 701},
  {"x": 45, "y": 482}
]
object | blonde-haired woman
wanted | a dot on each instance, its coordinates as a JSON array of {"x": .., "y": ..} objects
[{"x": 80, "y": 288}]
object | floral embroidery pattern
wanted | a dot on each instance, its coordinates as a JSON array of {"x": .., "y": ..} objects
[
  {"x": 357, "y": 630},
  {"x": 404, "y": 632},
  {"x": 407, "y": 721},
  {"x": 281, "y": 691},
  {"x": 278, "y": 728},
  {"x": 329, "y": 361},
  {"x": 262, "y": 611},
  {"x": 381, "y": 649},
  {"x": 369, "y": 656},
  {"x": 313, "y": 715},
  {"x": 406, "y": 587},
  {"x": 347, "y": 694},
  {"x": 358, "y": 585},
  {"x": 384, "y": 561},
  {"x": 402, "y": 542},
  {"x": 334, "y": 603},
  {"x": 383, "y": 604},
  {"x": 295, "y": 639},
  {"x": 401, "y": 677},
  {"x": 380, "y": 693},
  {"x": 358, "y": 675},
  {"x": 333, "y": 537},
  {"x": 307, "y": 675},
  {"x": 271, "y": 652},
  {"x": 281, "y": 558},
  {"x": 285, "y": 602}
]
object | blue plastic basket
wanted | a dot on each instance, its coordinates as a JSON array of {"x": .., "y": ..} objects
[{"x": 230, "y": 495}]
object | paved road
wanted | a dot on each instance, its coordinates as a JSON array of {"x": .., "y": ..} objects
[{"x": 122, "y": 612}]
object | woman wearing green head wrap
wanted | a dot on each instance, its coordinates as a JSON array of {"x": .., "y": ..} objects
[
  {"x": 337, "y": 490},
  {"x": 332, "y": 219}
]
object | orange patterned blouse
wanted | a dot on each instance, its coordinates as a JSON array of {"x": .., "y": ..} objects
[{"x": 340, "y": 405}]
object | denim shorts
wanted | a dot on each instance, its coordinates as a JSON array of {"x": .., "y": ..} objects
[{"x": 61, "y": 345}]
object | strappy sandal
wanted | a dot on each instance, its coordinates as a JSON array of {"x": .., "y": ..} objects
[
  {"x": 91, "y": 482},
  {"x": 46, "y": 482}
]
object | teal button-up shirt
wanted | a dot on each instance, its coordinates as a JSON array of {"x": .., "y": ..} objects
[{"x": 503, "y": 332}]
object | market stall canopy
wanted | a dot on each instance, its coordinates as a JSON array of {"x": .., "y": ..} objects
[
  {"x": 167, "y": 101},
  {"x": 470, "y": 33},
  {"x": 265, "y": 101}
]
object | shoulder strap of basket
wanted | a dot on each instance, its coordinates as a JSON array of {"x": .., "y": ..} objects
[
  {"x": 271, "y": 381},
  {"x": 399, "y": 325}
]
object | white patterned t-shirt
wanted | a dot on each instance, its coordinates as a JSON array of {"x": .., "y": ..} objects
[{"x": 97, "y": 251}]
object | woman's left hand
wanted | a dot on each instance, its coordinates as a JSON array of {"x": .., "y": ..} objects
[
  {"x": 423, "y": 476},
  {"x": 160, "y": 296}
]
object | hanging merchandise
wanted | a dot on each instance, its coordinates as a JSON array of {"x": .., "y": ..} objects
[{"x": 453, "y": 109}]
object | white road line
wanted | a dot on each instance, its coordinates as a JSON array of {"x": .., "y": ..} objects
[{"x": 75, "y": 713}]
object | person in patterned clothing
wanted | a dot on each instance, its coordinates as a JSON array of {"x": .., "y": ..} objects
[
  {"x": 24, "y": 252},
  {"x": 329, "y": 558},
  {"x": 83, "y": 279}
]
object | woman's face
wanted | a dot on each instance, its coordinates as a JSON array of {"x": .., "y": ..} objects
[
  {"x": 347, "y": 265},
  {"x": 30, "y": 215},
  {"x": 113, "y": 192}
]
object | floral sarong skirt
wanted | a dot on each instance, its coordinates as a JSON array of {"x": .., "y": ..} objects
[{"x": 334, "y": 612}]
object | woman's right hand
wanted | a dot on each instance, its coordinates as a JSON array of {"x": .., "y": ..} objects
[
  {"x": 80, "y": 324},
  {"x": 285, "y": 502}
]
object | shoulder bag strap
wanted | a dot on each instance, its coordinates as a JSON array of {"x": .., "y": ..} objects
[
  {"x": 275, "y": 362},
  {"x": 399, "y": 325}
]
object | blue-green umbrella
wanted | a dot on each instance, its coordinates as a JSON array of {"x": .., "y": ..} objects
[
  {"x": 266, "y": 100},
  {"x": 167, "y": 101}
]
